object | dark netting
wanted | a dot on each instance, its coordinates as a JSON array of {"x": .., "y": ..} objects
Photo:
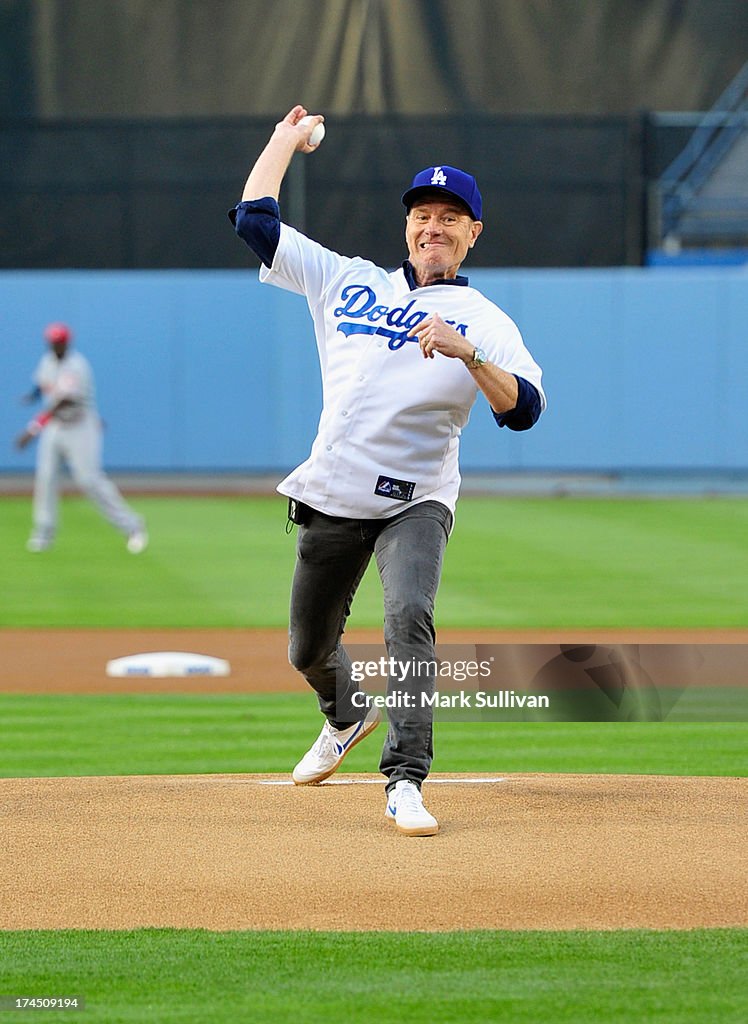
[
  {"x": 557, "y": 191},
  {"x": 56, "y": 229},
  {"x": 76, "y": 156},
  {"x": 186, "y": 228}
]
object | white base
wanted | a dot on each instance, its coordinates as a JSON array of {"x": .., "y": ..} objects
[{"x": 159, "y": 664}]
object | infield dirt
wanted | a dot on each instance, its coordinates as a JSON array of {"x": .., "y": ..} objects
[{"x": 74, "y": 660}]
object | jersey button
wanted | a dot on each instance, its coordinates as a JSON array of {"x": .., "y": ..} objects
[
  {"x": 329, "y": 447},
  {"x": 344, "y": 412}
]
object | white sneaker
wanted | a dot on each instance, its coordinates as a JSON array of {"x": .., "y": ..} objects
[
  {"x": 405, "y": 808},
  {"x": 38, "y": 544},
  {"x": 137, "y": 542},
  {"x": 331, "y": 746}
]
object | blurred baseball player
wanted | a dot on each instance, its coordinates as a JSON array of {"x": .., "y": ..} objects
[
  {"x": 69, "y": 431},
  {"x": 404, "y": 355}
]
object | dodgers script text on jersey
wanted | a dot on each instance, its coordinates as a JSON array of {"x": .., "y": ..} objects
[{"x": 361, "y": 305}]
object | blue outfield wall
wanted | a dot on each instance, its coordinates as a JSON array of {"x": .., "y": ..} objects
[{"x": 209, "y": 370}]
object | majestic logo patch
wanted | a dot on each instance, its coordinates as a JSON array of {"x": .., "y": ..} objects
[
  {"x": 399, "y": 490},
  {"x": 439, "y": 177}
]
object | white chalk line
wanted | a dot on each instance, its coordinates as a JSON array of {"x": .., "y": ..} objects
[{"x": 378, "y": 782}]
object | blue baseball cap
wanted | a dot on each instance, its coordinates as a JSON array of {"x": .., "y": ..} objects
[{"x": 450, "y": 180}]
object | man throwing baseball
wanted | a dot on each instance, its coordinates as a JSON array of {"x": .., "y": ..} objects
[
  {"x": 69, "y": 431},
  {"x": 403, "y": 355}
]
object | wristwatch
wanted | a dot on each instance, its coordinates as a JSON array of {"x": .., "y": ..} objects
[{"x": 479, "y": 358}]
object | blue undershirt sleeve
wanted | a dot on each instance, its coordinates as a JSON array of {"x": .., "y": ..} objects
[
  {"x": 527, "y": 410},
  {"x": 258, "y": 223}
]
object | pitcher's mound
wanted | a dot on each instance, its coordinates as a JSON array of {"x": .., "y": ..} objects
[{"x": 251, "y": 851}]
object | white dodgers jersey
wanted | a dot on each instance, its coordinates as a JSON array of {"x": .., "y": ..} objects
[{"x": 391, "y": 420}]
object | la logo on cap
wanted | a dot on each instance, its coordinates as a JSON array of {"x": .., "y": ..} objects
[{"x": 439, "y": 177}]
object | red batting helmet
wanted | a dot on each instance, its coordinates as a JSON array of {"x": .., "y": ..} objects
[{"x": 57, "y": 332}]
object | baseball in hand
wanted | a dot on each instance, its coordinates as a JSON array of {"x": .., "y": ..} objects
[{"x": 319, "y": 132}]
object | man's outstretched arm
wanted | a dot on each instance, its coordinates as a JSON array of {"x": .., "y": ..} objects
[{"x": 289, "y": 137}]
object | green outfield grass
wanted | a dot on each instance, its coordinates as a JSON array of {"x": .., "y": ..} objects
[
  {"x": 510, "y": 563},
  {"x": 143, "y": 976},
  {"x": 55, "y": 735}
]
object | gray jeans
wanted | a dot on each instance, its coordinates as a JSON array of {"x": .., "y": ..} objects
[{"x": 332, "y": 555}]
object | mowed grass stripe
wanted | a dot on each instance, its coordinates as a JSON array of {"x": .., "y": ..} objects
[
  {"x": 58, "y": 735},
  {"x": 694, "y": 977},
  {"x": 597, "y": 562},
  {"x": 511, "y": 563}
]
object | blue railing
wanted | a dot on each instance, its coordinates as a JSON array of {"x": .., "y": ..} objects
[{"x": 712, "y": 139}]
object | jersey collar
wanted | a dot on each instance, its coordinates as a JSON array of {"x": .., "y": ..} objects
[{"x": 410, "y": 277}]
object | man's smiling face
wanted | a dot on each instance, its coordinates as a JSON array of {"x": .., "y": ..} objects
[{"x": 438, "y": 232}]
